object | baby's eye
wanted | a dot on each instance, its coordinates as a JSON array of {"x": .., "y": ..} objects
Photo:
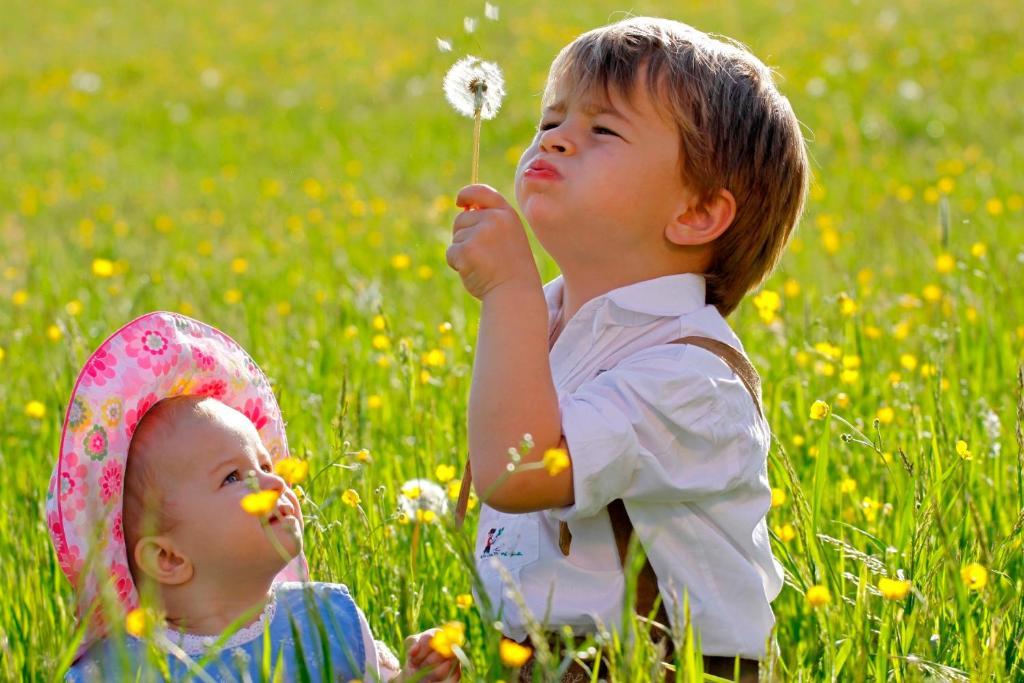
[
  {"x": 547, "y": 125},
  {"x": 601, "y": 130},
  {"x": 232, "y": 478}
]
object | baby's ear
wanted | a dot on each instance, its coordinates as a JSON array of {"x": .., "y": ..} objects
[
  {"x": 702, "y": 222},
  {"x": 160, "y": 559}
]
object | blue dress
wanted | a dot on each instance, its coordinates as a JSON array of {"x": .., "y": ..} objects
[{"x": 316, "y": 633}]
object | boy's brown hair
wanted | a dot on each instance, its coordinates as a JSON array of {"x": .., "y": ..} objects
[{"x": 736, "y": 130}]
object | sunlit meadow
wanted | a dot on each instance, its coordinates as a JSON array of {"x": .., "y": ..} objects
[{"x": 285, "y": 171}]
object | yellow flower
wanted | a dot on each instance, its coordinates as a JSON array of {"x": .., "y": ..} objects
[
  {"x": 767, "y": 303},
  {"x": 778, "y": 497},
  {"x": 975, "y": 576},
  {"x": 791, "y": 288},
  {"x": 411, "y": 491},
  {"x": 830, "y": 350},
  {"x": 400, "y": 261},
  {"x": 434, "y": 358},
  {"x": 555, "y": 460},
  {"x": 886, "y": 415},
  {"x": 232, "y": 296},
  {"x": 54, "y": 333},
  {"x": 425, "y": 516},
  {"x": 893, "y": 589},
  {"x": 848, "y": 485},
  {"x": 381, "y": 342},
  {"x": 139, "y": 622},
  {"x": 73, "y": 307},
  {"x": 513, "y": 654},
  {"x": 464, "y": 600},
  {"x": 363, "y": 455},
  {"x": 378, "y": 322},
  {"x": 849, "y": 376},
  {"x": 932, "y": 293},
  {"x": 962, "y": 450},
  {"x": 292, "y": 470},
  {"x": 102, "y": 267},
  {"x": 908, "y": 361},
  {"x": 945, "y": 263},
  {"x": 239, "y": 265},
  {"x": 818, "y": 596},
  {"x": 842, "y": 399},
  {"x": 424, "y": 272},
  {"x": 35, "y": 409},
  {"x": 979, "y": 249},
  {"x": 19, "y": 298},
  {"x": 847, "y": 306},
  {"x": 2, "y": 353},
  {"x": 374, "y": 401},
  {"x": 786, "y": 532},
  {"x": 350, "y": 498},
  {"x": 444, "y": 473},
  {"x": 261, "y": 503},
  {"x": 798, "y": 440},
  {"x": 820, "y": 410},
  {"x": 451, "y": 635}
]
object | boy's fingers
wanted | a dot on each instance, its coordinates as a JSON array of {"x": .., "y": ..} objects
[{"x": 480, "y": 197}]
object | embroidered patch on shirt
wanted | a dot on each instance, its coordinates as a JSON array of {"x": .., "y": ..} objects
[{"x": 498, "y": 544}]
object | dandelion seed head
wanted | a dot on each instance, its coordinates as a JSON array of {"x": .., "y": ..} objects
[
  {"x": 419, "y": 497},
  {"x": 472, "y": 82}
]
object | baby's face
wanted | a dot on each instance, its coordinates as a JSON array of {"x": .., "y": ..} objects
[{"x": 203, "y": 484}]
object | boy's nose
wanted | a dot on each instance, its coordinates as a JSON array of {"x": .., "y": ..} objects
[{"x": 555, "y": 140}]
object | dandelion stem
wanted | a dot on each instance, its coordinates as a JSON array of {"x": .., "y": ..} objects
[
  {"x": 476, "y": 147},
  {"x": 478, "y": 101}
]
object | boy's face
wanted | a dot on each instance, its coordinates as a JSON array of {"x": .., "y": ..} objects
[
  {"x": 602, "y": 178},
  {"x": 206, "y": 480}
]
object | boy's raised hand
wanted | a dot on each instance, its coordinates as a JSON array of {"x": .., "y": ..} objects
[{"x": 489, "y": 246}]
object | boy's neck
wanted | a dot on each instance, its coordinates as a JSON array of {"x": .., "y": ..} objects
[{"x": 209, "y": 610}]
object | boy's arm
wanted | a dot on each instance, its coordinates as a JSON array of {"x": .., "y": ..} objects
[{"x": 513, "y": 392}]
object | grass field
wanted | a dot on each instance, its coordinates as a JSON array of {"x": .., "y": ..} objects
[{"x": 285, "y": 171}]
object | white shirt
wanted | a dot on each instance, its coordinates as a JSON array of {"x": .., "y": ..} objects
[{"x": 670, "y": 430}]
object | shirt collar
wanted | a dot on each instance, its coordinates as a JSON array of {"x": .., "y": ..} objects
[{"x": 670, "y": 295}]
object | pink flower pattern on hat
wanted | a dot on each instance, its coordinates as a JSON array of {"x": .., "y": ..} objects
[{"x": 153, "y": 357}]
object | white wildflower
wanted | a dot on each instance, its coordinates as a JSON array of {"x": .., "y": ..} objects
[{"x": 423, "y": 496}]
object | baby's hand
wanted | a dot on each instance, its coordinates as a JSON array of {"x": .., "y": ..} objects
[
  {"x": 489, "y": 246},
  {"x": 422, "y": 663}
]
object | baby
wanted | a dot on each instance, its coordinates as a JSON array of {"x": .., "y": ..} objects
[{"x": 181, "y": 415}]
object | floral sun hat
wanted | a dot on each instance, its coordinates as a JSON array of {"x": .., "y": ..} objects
[{"x": 156, "y": 356}]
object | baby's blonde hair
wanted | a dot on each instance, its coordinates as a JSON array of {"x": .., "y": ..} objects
[{"x": 736, "y": 131}]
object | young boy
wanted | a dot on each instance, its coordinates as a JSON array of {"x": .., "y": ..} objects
[{"x": 665, "y": 178}]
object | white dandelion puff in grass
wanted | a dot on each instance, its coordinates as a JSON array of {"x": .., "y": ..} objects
[
  {"x": 474, "y": 88},
  {"x": 473, "y": 85},
  {"x": 422, "y": 500}
]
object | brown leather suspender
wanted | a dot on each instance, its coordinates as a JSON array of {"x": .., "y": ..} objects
[{"x": 647, "y": 581}]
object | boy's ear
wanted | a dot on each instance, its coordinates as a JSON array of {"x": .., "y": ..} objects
[
  {"x": 702, "y": 222},
  {"x": 159, "y": 558}
]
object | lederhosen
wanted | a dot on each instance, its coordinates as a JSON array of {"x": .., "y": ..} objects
[{"x": 647, "y": 581}]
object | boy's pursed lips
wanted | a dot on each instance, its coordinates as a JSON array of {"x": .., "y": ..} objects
[{"x": 542, "y": 170}]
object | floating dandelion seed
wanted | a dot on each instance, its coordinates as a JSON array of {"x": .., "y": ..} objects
[
  {"x": 469, "y": 23},
  {"x": 491, "y": 11},
  {"x": 474, "y": 88},
  {"x": 444, "y": 45}
]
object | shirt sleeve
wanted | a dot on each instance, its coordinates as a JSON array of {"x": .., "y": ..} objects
[
  {"x": 381, "y": 663},
  {"x": 671, "y": 424}
]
